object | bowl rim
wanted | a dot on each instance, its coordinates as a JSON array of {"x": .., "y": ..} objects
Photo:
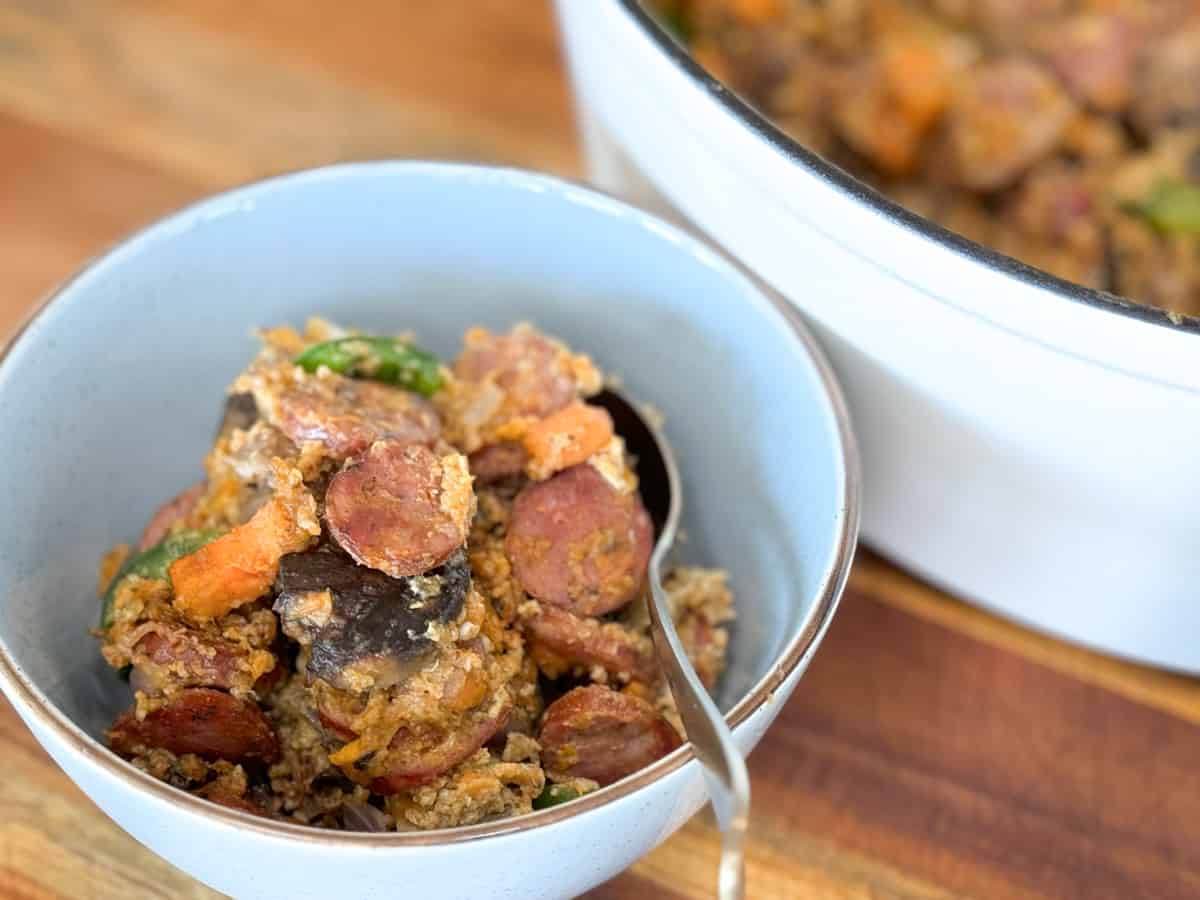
[
  {"x": 859, "y": 191},
  {"x": 30, "y": 700}
]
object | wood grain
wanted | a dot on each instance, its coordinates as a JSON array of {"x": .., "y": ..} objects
[
  {"x": 63, "y": 201},
  {"x": 230, "y": 104},
  {"x": 931, "y": 752}
]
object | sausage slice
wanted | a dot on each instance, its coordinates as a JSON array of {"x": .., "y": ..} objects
[
  {"x": 212, "y": 724},
  {"x": 348, "y": 415},
  {"x": 420, "y": 753},
  {"x": 174, "y": 655},
  {"x": 178, "y": 507},
  {"x": 533, "y": 371},
  {"x": 576, "y": 542},
  {"x": 1007, "y": 115},
  {"x": 496, "y": 462},
  {"x": 590, "y": 642},
  {"x": 400, "y": 508},
  {"x": 597, "y": 733}
]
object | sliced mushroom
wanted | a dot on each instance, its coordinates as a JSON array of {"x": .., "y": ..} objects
[{"x": 363, "y": 628}]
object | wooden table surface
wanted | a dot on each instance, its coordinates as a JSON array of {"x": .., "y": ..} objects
[{"x": 931, "y": 751}]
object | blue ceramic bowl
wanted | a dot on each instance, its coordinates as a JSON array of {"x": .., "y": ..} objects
[{"x": 109, "y": 397}]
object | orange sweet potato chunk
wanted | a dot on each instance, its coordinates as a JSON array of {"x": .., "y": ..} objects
[
  {"x": 241, "y": 566},
  {"x": 566, "y": 438}
]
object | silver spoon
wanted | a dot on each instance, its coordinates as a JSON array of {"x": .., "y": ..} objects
[{"x": 712, "y": 741}]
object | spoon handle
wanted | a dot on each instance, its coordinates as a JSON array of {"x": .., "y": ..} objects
[{"x": 724, "y": 768}]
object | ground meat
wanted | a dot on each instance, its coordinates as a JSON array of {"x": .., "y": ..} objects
[
  {"x": 490, "y": 567},
  {"x": 803, "y": 102},
  {"x": 186, "y": 771},
  {"x": 483, "y": 787},
  {"x": 1162, "y": 270},
  {"x": 136, "y": 600},
  {"x": 305, "y": 786},
  {"x": 701, "y": 606},
  {"x": 528, "y": 703}
]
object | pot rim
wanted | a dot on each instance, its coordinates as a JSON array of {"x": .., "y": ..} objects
[{"x": 858, "y": 191}]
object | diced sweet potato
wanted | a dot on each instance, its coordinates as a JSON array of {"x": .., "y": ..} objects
[
  {"x": 566, "y": 438},
  {"x": 240, "y": 567}
]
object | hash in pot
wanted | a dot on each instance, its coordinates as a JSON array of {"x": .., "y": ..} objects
[{"x": 1064, "y": 133}]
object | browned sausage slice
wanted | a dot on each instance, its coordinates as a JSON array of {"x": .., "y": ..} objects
[
  {"x": 347, "y": 415},
  {"x": 419, "y": 755},
  {"x": 400, "y": 508},
  {"x": 498, "y": 462},
  {"x": 231, "y": 802},
  {"x": 578, "y": 543},
  {"x": 212, "y": 724},
  {"x": 180, "y": 656},
  {"x": 589, "y": 642},
  {"x": 533, "y": 371},
  {"x": 1006, "y": 115},
  {"x": 1167, "y": 89},
  {"x": 178, "y": 507},
  {"x": 597, "y": 733}
]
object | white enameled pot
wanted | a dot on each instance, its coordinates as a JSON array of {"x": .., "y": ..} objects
[{"x": 1027, "y": 443}]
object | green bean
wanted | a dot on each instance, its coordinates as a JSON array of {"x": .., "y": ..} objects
[
  {"x": 1173, "y": 207},
  {"x": 378, "y": 358},
  {"x": 154, "y": 563},
  {"x": 553, "y": 795}
]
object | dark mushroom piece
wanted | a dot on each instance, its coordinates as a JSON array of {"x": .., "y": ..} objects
[
  {"x": 241, "y": 412},
  {"x": 364, "y": 628}
]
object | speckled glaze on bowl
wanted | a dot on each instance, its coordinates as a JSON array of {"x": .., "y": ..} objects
[{"x": 109, "y": 396}]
